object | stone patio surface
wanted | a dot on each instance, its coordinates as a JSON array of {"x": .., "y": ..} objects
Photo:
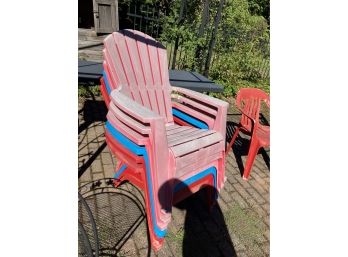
[{"x": 238, "y": 225}]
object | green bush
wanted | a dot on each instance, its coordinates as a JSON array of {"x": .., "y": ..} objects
[{"x": 241, "y": 54}]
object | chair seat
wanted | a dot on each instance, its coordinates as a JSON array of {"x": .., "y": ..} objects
[
  {"x": 263, "y": 133},
  {"x": 193, "y": 148}
]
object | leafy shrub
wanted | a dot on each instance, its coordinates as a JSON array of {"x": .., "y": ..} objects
[{"x": 241, "y": 54}]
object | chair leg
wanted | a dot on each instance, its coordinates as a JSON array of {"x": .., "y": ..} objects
[
  {"x": 253, "y": 149},
  {"x": 232, "y": 141},
  {"x": 118, "y": 181},
  {"x": 156, "y": 243}
]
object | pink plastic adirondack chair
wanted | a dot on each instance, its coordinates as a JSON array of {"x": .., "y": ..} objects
[
  {"x": 249, "y": 102},
  {"x": 150, "y": 148}
]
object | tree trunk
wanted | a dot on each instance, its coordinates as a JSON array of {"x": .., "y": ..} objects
[
  {"x": 176, "y": 44},
  {"x": 213, "y": 38},
  {"x": 204, "y": 22}
]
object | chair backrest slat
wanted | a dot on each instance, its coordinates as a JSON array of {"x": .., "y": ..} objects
[
  {"x": 149, "y": 67},
  {"x": 113, "y": 61},
  {"x": 128, "y": 69},
  {"x": 138, "y": 70},
  {"x": 139, "y": 63}
]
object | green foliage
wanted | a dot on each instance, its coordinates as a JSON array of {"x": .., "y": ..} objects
[
  {"x": 88, "y": 91},
  {"x": 260, "y": 7},
  {"x": 242, "y": 49},
  {"x": 241, "y": 54}
]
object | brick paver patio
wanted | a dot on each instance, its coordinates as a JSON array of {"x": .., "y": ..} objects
[{"x": 240, "y": 229}]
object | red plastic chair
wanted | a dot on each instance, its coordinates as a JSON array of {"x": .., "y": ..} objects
[{"x": 249, "y": 102}]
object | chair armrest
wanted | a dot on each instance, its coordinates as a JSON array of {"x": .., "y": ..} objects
[
  {"x": 133, "y": 108},
  {"x": 135, "y": 121},
  {"x": 211, "y": 110},
  {"x": 254, "y": 120},
  {"x": 246, "y": 114},
  {"x": 145, "y": 128},
  {"x": 202, "y": 97}
]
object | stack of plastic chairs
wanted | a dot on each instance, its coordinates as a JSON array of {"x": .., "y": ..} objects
[{"x": 165, "y": 139}]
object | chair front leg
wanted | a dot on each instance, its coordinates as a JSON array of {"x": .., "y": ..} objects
[
  {"x": 232, "y": 141},
  {"x": 120, "y": 168},
  {"x": 253, "y": 149}
]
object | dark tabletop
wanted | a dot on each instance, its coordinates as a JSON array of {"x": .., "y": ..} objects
[{"x": 92, "y": 71}]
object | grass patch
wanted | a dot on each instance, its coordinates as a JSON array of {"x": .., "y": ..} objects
[
  {"x": 247, "y": 226},
  {"x": 178, "y": 237},
  {"x": 176, "y": 240}
]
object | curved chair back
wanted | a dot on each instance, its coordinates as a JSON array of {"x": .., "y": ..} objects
[
  {"x": 138, "y": 64},
  {"x": 249, "y": 102}
]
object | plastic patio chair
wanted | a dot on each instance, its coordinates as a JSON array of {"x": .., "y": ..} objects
[
  {"x": 146, "y": 128},
  {"x": 248, "y": 101}
]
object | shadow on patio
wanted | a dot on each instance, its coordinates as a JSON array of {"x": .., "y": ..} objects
[{"x": 121, "y": 228}]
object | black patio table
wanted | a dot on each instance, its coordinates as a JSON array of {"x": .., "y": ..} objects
[{"x": 92, "y": 71}]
